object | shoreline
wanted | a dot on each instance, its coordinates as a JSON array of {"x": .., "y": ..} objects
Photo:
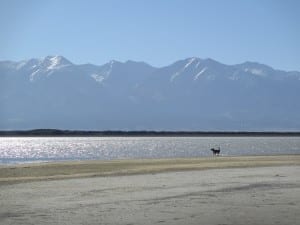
[
  {"x": 142, "y": 133},
  {"x": 29, "y": 172}
]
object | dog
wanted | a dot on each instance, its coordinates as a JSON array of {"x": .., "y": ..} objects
[{"x": 216, "y": 151}]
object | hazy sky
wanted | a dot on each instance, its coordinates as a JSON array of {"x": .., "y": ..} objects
[{"x": 156, "y": 31}]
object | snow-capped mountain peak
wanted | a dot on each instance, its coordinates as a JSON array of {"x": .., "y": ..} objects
[
  {"x": 55, "y": 62},
  {"x": 202, "y": 94},
  {"x": 47, "y": 66},
  {"x": 187, "y": 64}
]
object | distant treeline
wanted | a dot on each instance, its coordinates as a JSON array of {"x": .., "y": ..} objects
[{"x": 70, "y": 133}]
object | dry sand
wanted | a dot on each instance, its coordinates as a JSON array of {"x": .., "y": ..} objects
[
  {"x": 225, "y": 190},
  {"x": 79, "y": 169}
]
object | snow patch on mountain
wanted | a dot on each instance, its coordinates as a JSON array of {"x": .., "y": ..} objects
[
  {"x": 28, "y": 64},
  {"x": 190, "y": 61},
  {"x": 197, "y": 65},
  {"x": 32, "y": 76},
  {"x": 234, "y": 76},
  {"x": 56, "y": 62},
  {"x": 99, "y": 78},
  {"x": 46, "y": 66},
  {"x": 201, "y": 72},
  {"x": 253, "y": 71},
  {"x": 104, "y": 73},
  {"x": 21, "y": 65}
]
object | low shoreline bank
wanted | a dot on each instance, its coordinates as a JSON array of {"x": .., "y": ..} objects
[
  {"x": 10, "y": 174},
  {"x": 142, "y": 133}
]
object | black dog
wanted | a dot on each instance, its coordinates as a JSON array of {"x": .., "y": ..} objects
[{"x": 216, "y": 151}]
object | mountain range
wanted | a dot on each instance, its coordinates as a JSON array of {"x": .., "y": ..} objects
[{"x": 189, "y": 94}]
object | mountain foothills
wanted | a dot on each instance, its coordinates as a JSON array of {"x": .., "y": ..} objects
[{"x": 190, "y": 94}]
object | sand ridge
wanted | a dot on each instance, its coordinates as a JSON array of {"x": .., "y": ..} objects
[{"x": 81, "y": 169}]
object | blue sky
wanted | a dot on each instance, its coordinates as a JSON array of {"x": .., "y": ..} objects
[{"x": 156, "y": 31}]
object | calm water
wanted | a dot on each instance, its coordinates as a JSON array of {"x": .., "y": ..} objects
[{"x": 35, "y": 149}]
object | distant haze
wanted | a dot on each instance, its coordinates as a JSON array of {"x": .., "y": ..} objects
[
  {"x": 189, "y": 94},
  {"x": 159, "y": 32}
]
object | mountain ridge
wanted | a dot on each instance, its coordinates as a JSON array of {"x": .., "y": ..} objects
[
  {"x": 189, "y": 94},
  {"x": 144, "y": 62}
]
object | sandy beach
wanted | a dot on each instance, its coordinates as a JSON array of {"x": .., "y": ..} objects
[{"x": 213, "y": 190}]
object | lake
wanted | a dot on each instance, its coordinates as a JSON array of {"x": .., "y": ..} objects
[{"x": 40, "y": 149}]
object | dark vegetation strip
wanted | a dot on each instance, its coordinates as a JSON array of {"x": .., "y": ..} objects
[{"x": 107, "y": 133}]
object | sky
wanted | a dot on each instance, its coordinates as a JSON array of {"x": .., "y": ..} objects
[{"x": 158, "y": 32}]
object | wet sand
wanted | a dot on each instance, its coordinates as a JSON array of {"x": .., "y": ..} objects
[{"x": 225, "y": 190}]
